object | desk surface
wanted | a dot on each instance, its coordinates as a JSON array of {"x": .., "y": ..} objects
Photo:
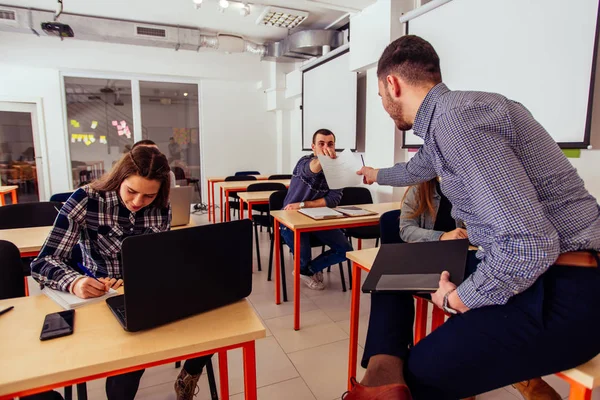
[
  {"x": 6, "y": 189},
  {"x": 222, "y": 178},
  {"x": 256, "y": 196},
  {"x": 364, "y": 257},
  {"x": 242, "y": 185},
  {"x": 26, "y": 239},
  {"x": 100, "y": 345},
  {"x": 295, "y": 220}
]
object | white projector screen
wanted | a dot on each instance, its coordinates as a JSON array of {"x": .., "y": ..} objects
[
  {"x": 540, "y": 53},
  {"x": 329, "y": 101}
]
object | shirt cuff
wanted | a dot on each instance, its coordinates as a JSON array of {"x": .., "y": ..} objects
[
  {"x": 71, "y": 285},
  {"x": 471, "y": 296},
  {"x": 436, "y": 235}
]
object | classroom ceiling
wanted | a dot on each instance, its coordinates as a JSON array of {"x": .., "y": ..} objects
[{"x": 322, "y": 13}]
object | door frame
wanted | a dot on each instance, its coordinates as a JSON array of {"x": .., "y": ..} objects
[{"x": 34, "y": 106}]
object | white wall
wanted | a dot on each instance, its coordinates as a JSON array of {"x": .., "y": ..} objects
[{"x": 51, "y": 58}]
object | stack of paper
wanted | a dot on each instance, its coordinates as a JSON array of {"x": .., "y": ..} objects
[
  {"x": 353, "y": 211},
  {"x": 321, "y": 213},
  {"x": 69, "y": 301}
]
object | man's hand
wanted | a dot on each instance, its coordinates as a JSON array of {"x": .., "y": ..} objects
[
  {"x": 446, "y": 286},
  {"x": 458, "y": 233},
  {"x": 113, "y": 283},
  {"x": 325, "y": 151},
  {"x": 369, "y": 174},
  {"x": 292, "y": 206},
  {"x": 89, "y": 287}
]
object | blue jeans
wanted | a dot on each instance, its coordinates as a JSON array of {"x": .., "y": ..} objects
[
  {"x": 334, "y": 239},
  {"x": 550, "y": 327}
]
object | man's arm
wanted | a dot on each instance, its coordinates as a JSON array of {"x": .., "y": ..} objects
[
  {"x": 474, "y": 143},
  {"x": 418, "y": 169}
]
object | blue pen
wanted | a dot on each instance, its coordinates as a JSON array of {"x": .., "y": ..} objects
[
  {"x": 363, "y": 160},
  {"x": 87, "y": 272}
]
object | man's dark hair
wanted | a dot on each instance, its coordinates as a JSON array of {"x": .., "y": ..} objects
[
  {"x": 413, "y": 59},
  {"x": 144, "y": 142},
  {"x": 325, "y": 132}
]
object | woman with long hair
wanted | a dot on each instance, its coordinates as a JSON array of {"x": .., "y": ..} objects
[{"x": 132, "y": 199}]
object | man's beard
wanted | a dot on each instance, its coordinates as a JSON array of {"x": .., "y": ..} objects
[{"x": 397, "y": 114}]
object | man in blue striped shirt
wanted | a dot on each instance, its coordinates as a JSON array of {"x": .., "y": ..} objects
[{"x": 527, "y": 310}]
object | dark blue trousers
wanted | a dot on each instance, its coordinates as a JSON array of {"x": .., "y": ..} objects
[{"x": 550, "y": 327}]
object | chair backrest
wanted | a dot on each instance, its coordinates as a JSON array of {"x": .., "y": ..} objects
[
  {"x": 276, "y": 200},
  {"x": 29, "y": 215},
  {"x": 242, "y": 173},
  {"x": 61, "y": 197},
  {"x": 236, "y": 178},
  {"x": 11, "y": 271},
  {"x": 179, "y": 173},
  {"x": 284, "y": 176},
  {"x": 389, "y": 227},
  {"x": 356, "y": 195},
  {"x": 264, "y": 186}
]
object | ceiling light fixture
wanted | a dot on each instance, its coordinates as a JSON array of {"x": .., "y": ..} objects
[
  {"x": 223, "y": 4},
  {"x": 281, "y": 17},
  {"x": 185, "y": 94},
  {"x": 197, "y": 3}
]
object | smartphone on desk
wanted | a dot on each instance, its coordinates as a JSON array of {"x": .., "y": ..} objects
[{"x": 58, "y": 324}]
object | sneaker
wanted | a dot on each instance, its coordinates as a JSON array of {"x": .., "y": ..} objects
[
  {"x": 319, "y": 276},
  {"x": 311, "y": 281},
  {"x": 186, "y": 385}
]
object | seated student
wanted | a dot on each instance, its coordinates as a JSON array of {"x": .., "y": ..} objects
[
  {"x": 426, "y": 216},
  {"x": 132, "y": 199},
  {"x": 150, "y": 143},
  {"x": 308, "y": 188}
]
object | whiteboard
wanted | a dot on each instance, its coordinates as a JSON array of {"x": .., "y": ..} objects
[
  {"x": 329, "y": 95},
  {"x": 537, "y": 52}
]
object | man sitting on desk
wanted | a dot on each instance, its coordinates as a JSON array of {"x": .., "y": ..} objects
[{"x": 308, "y": 188}]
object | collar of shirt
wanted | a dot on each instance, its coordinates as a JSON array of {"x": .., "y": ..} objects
[{"x": 425, "y": 112}]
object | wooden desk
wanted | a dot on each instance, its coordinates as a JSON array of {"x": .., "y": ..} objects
[
  {"x": 28, "y": 240},
  {"x": 210, "y": 183},
  {"x": 300, "y": 223},
  {"x": 239, "y": 186},
  {"x": 4, "y": 190},
  {"x": 100, "y": 347},
  {"x": 252, "y": 198}
]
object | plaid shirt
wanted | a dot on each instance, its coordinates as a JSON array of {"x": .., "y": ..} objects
[
  {"x": 522, "y": 201},
  {"x": 99, "y": 222}
]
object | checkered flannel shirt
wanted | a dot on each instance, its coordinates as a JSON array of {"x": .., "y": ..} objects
[
  {"x": 99, "y": 222},
  {"x": 522, "y": 201}
]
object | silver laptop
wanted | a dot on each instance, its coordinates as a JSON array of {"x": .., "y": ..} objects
[{"x": 181, "y": 201}]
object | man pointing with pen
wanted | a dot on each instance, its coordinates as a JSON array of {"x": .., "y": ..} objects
[{"x": 527, "y": 310}]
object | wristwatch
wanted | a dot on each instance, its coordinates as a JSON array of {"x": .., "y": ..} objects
[
  {"x": 446, "y": 307},
  {"x": 301, "y": 204}
]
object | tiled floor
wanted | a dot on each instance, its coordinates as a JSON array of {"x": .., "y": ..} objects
[{"x": 305, "y": 365}]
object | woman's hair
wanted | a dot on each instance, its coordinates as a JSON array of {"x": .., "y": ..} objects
[
  {"x": 147, "y": 162},
  {"x": 425, "y": 191}
]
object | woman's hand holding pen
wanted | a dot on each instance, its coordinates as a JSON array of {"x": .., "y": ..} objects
[
  {"x": 87, "y": 287},
  {"x": 113, "y": 283},
  {"x": 458, "y": 233}
]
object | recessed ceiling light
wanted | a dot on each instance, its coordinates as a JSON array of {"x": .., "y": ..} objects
[{"x": 224, "y": 3}]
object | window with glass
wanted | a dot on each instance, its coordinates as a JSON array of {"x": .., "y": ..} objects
[
  {"x": 100, "y": 125},
  {"x": 170, "y": 118}
]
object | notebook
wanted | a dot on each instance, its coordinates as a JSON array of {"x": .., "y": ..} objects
[
  {"x": 69, "y": 301},
  {"x": 319, "y": 213},
  {"x": 354, "y": 211}
]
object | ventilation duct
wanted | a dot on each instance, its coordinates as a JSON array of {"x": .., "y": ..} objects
[{"x": 300, "y": 45}]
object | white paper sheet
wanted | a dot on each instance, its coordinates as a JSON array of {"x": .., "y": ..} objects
[{"x": 340, "y": 172}]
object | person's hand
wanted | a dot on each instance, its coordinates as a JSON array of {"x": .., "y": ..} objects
[
  {"x": 292, "y": 206},
  {"x": 87, "y": 287},
  {"x": 326, "y": 151},
  {"x": 458, "y": 233},
  {"x": 369, "y": 174},
  {"x": 445, "y": 287},
  {"x": 113, "y": 283}
]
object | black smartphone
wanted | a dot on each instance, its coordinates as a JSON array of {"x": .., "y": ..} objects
[{"x": 58, "y": 324}]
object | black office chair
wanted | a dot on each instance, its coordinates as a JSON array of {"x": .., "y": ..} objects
[
  {"x": 284, "y": 176},
  {"x": 61, "y": 197},
  {"x": 244, "y": 173},
  {"x": 28, "y": 215},
  {"x": 352, "y": 196},
  {"x": 276, "y": 203},
  {"x": 389, "y": 227},
  {"x": 235, "y": 203},
  {"x": 264, "y": 219}
]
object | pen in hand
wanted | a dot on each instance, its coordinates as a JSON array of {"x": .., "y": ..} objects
[
  {"x": 363, "y": 160},
  {"x": 6, "y": 310}
]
